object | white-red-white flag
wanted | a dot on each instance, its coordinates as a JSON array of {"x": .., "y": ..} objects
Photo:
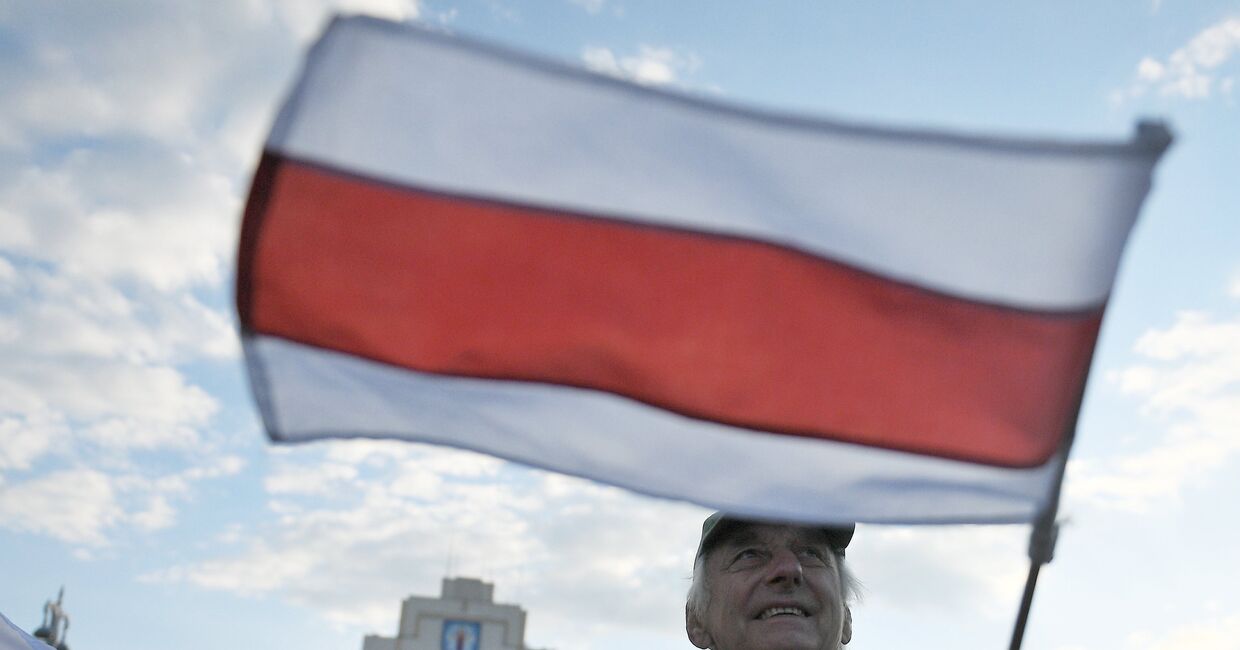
[{"x": 785, "y": 317}]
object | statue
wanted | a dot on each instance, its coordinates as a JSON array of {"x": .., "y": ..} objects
[{"x": 55, "y": 623}]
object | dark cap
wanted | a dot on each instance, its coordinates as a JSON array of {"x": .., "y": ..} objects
[{"x": 717, "y": 526}]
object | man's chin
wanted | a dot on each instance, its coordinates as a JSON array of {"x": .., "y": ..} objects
[{"x": 787, "y": 633}]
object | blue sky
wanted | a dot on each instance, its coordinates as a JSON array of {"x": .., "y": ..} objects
[{"x": 134, "y": 472}]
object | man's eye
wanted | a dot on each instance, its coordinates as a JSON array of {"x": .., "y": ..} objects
[
  {"x": 746, "y": 554},
  {"x": 816, "y": 555}
]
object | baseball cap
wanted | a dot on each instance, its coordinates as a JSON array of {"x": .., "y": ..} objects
[{"x": 717, "y": 526}]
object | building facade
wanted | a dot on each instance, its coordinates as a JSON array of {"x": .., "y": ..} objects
[{"x": 464, "y": 617}]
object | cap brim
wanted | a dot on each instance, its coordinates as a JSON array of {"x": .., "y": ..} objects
[{"x": 718, "y": 526}]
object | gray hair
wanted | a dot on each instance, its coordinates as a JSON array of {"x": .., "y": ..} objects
[{"x": 699, "y": 591}]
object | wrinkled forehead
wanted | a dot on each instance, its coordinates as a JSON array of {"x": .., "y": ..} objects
[{"x": 747, "y": 533}]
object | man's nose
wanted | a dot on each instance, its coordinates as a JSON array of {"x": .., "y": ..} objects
[{"x": 785, "y": 568}]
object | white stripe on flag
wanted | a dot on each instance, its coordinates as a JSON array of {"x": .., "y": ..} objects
[{"x": 307, "y": 393}]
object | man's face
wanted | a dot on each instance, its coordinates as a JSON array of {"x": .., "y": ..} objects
[{"x": 772, "y": 587}]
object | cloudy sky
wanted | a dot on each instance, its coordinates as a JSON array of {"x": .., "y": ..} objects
[{"x": 133, "y": 469}]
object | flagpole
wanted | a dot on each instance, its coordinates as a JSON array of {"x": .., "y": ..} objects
[
  {"x": 1042, "y": 540},
  {"x": 1041, "y": 550}
]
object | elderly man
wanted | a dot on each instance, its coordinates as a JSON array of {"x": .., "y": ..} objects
[{"x": 769, "y": 586}]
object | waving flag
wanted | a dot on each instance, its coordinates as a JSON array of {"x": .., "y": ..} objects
[
  {"x": 13, "y": 638},
  {"x": 453, "y": 243}
]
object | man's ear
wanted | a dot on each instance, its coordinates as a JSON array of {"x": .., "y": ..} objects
[
  {"x": 846, "y": 634},
  {"x": 698, "y": 635}
]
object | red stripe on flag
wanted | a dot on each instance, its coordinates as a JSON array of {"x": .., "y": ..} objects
[{"x": 741, "y": 332}]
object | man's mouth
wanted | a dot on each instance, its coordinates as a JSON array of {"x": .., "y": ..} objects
[{"x": 781, "y": 611}]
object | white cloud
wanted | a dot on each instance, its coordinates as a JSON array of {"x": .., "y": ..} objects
[
  {"x": 154, "y": 216},
  {"x": 173, "y": 72},
  {"x": 68, "y": 316},
  {"x": 261, "y": 570},
  {"x": 75, "y": 506},
  {"x": 65, "y": 429},
  {"x": 89, "y": 368},
  {"x": 591, "y": 6},
  {"x": 1192, "y": 71},
  {"x": 305, "y": 19},
  {"x": 128, "y": 139},
  {"x": 1188, "y": 381},
  {"x": 942, "y": 569},
  {"x": 88, "y": 380},
  {"x": 454, "y": 464},
  {"x": 300, "y": 479},
  {"x": 26, "y": 437},
  {"x": 1150, "y": 70},
  {"x": 213, "y": 467},
  {"x": 1215, "y": 633},
  {"x": 156, "y": 73},
  {"x": 136, "y": 433},
  {"x": 419, "y": 484},
  {"x": 8, "y": 276},
  {"x": 135, "y": 131},
  {"x": 650, "y": 65},
  {"x": 558, "y": 545},
  {"x": 157, "y": 514},
  {"x": 1193, "y": 335},
  {"x": 86, "y": 506},
  {"x": 86, "y": 384},
  {"x": 376, "y": 453},
  {"x": 101, "y": 391}
]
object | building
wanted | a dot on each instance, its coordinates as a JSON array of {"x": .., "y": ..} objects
[{"x": 464, "y": 617}]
